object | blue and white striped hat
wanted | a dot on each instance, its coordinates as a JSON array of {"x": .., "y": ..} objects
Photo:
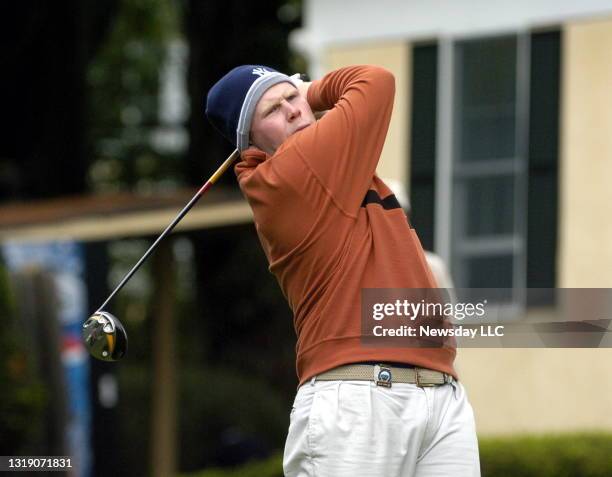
[{"x": 231, "y": 102}]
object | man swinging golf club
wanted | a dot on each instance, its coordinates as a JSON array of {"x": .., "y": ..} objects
[{"x": 330, "y": 228}]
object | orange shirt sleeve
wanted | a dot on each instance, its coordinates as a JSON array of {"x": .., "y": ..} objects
[{"x": 343, "y": 147}]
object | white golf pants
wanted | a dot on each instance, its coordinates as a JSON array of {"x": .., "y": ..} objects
[{"x": 356, "y": 428}]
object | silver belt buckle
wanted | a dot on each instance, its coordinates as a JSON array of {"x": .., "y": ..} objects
[{"x": 383, "y": 376}]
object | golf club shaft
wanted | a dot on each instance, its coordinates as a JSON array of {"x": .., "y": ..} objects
[{"x": 228, "y": 162}]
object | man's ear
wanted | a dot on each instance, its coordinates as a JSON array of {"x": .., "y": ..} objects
[{"x": 251, "y": 143}]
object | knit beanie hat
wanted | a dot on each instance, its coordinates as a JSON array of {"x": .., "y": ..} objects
[{"x": 232, "y": 100}]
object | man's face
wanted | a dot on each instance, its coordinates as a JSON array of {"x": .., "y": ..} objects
[{"x": 280, "y": 112}]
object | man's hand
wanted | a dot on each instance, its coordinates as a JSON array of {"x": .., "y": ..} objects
[
  {"x": 302, "y": 85},
  {"x": 303, "y": 88}
]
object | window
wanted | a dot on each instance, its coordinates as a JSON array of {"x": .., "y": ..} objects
[
  {"x": 488, "y": 164},
  {"x": 484, "y": 168}
]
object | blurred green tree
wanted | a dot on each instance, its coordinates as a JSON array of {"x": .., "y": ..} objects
[
  {"x": 22, "y": 397},
  {"x": 125, "y": 83}
]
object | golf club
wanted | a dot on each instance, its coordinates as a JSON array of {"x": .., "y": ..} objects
[{"x": 103, "y": 334}]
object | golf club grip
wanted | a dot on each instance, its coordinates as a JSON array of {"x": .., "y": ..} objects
[{"x": 218, "y": 173}]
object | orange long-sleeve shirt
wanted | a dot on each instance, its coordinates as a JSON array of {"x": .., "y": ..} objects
[{"x": 330, "y": 227}]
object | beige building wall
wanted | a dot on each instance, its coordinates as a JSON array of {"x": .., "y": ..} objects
[
  {"x": 559, "y": 390},
  {"x": 585, "y": 252},
  {"x": 538, "y": 390},
  {"x": 395, "y": 56}
]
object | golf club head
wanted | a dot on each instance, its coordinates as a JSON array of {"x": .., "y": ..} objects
[{"x": 104, "y": 336}]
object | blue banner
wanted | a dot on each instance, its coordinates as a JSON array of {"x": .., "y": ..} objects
[{"x": 66, "y": 264}]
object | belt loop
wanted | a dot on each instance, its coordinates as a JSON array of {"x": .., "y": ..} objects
[{"x": 312, "y": 381}]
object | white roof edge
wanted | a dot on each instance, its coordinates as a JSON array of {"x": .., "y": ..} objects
[{"x": 341, "y": 22}]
